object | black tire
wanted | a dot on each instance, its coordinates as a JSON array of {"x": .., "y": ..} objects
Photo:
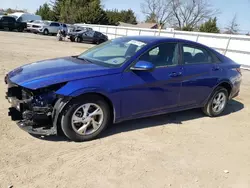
[
  {"x": 72, "y": 39},
  {"x": 20, "y": 29},
  {"x": 99, "y": 41},
  {"x": 46, "y": 32},
  {"x": 78, "y": 39},
  {"x": 68, "y": 112},
  {"x": 208, "y": 108}
]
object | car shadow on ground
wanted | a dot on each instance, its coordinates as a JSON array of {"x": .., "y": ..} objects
[{"x": 176, "y": 118}]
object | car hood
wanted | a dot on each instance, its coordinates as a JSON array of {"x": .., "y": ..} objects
[{"x": 48, "y": 72}]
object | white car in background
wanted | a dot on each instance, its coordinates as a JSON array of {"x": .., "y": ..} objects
[
  {"x": 47, "y": 27},
  {"x": 31, "y": 23}
]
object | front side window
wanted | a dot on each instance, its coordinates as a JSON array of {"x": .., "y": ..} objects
[
  {"x": 165, "y": 54},
  {"x": 195, "y": 55},
  {"x": 113, "y": 53}
]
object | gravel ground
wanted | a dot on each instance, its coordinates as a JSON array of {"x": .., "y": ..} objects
[{"x": 183, "y": 149}]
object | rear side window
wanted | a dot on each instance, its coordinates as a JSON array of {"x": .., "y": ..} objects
[
  {"x": 55, "y": 24},
  {"x": 8, "y": 19},
  {"x": 195, "y": 55},
  {"x": 97, "y": 34}
]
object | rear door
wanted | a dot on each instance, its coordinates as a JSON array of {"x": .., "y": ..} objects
[
  {"x": 54, "y": 27},
  {"x": 200, "y": 74}
]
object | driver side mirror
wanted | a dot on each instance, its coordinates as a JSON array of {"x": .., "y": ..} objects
[{"x": 143, "y": 66}]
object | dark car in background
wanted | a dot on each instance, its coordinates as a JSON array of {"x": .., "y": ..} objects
[
  {"x": 87, "y": 36},
  {"x": 10, "y": 23}
]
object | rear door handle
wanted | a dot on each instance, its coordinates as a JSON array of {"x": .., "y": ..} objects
[{"x": 175, "y": 74}]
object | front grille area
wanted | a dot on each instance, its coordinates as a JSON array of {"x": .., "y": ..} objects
[{"x": 35, "y": 26}]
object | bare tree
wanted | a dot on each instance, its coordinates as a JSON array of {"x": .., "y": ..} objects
[
  {"x": 191, "y": 13},
  {"x": 157, "y": 10},
  {"x": 233, "y": 26}
]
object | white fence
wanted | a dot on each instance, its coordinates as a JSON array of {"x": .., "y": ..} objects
[{"x": 236, "y": 47}]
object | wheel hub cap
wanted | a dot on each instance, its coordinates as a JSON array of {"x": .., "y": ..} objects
[
  {"x": 219, "y": 102},
  {"x": 87, "y": 119}
]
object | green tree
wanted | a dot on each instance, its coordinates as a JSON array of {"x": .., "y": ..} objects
[
  {"x": 56, "y": 9},
  {"x": 45, "y": 12},
  {"x": 128, "y": 16},
  {"x": 210, "y": 26},
  {"x": 151, "y": 18},
  {"x": 9, "y": 11},
  {"x": 115, "y": 16},
  {"x": 187, "y": 28},
  {"x": 86, "y": 11}
]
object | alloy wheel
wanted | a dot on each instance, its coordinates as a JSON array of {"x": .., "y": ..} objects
[
  {"x": 87, "y": 119},
  {"x": 219, "y": 102}
]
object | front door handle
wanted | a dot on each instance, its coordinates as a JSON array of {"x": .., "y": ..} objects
[
  {"x": 175, "y": 74},
  {"x": 216, "y": 68}
]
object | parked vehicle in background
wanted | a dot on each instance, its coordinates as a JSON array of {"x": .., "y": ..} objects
[
  {"x": 10, "y": 23},
  {"x": 25, "y": 17},
  {"x": 87, "y": 36},
  {"x": 31, "y": 23},
  {"x": 122, "y": 79},
  {"x": 75, "y": 28},
  {"x": 47, "y": 27}
]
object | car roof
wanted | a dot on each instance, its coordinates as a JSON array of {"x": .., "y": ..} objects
[{"x": 155, "y": 39}]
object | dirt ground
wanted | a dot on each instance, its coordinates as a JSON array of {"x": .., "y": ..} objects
[{"x": 184, "y": 149}]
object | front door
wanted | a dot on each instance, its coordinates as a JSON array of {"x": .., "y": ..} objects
[{"x": 155, "y": 91}]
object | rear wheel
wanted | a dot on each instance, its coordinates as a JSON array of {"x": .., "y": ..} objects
[
  {"x": 20, "y": 29},
  {"x": 217, "y": 103},
  {"x": 85, "y": 119},
  {"x": 99, "y": 41}
]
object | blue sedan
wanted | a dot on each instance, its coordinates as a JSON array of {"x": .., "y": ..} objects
[{"x": 122, "y": 79}]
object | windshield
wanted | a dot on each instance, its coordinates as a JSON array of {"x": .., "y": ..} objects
[
  {"x": 113, "y": 53},
  {"x": 38, "y": 21},
  {"x": 46, "y": 23}
]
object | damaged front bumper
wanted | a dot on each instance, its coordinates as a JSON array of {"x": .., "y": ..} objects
[{"x": 35, "y": 112}]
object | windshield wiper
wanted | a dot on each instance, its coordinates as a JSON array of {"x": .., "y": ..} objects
[{"x": 81, "y": 58}]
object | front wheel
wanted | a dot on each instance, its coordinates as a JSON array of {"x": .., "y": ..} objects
[
  {"x": 72, "y": 39},
  {"x": 46, "y": 32},
  {"x": 85, "y": 119},
  {"x": 78, "y": 39},
  {"x": 217, "y": 103}
]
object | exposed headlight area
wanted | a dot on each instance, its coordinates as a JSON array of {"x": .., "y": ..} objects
[{"x": 33, "y": 109}]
